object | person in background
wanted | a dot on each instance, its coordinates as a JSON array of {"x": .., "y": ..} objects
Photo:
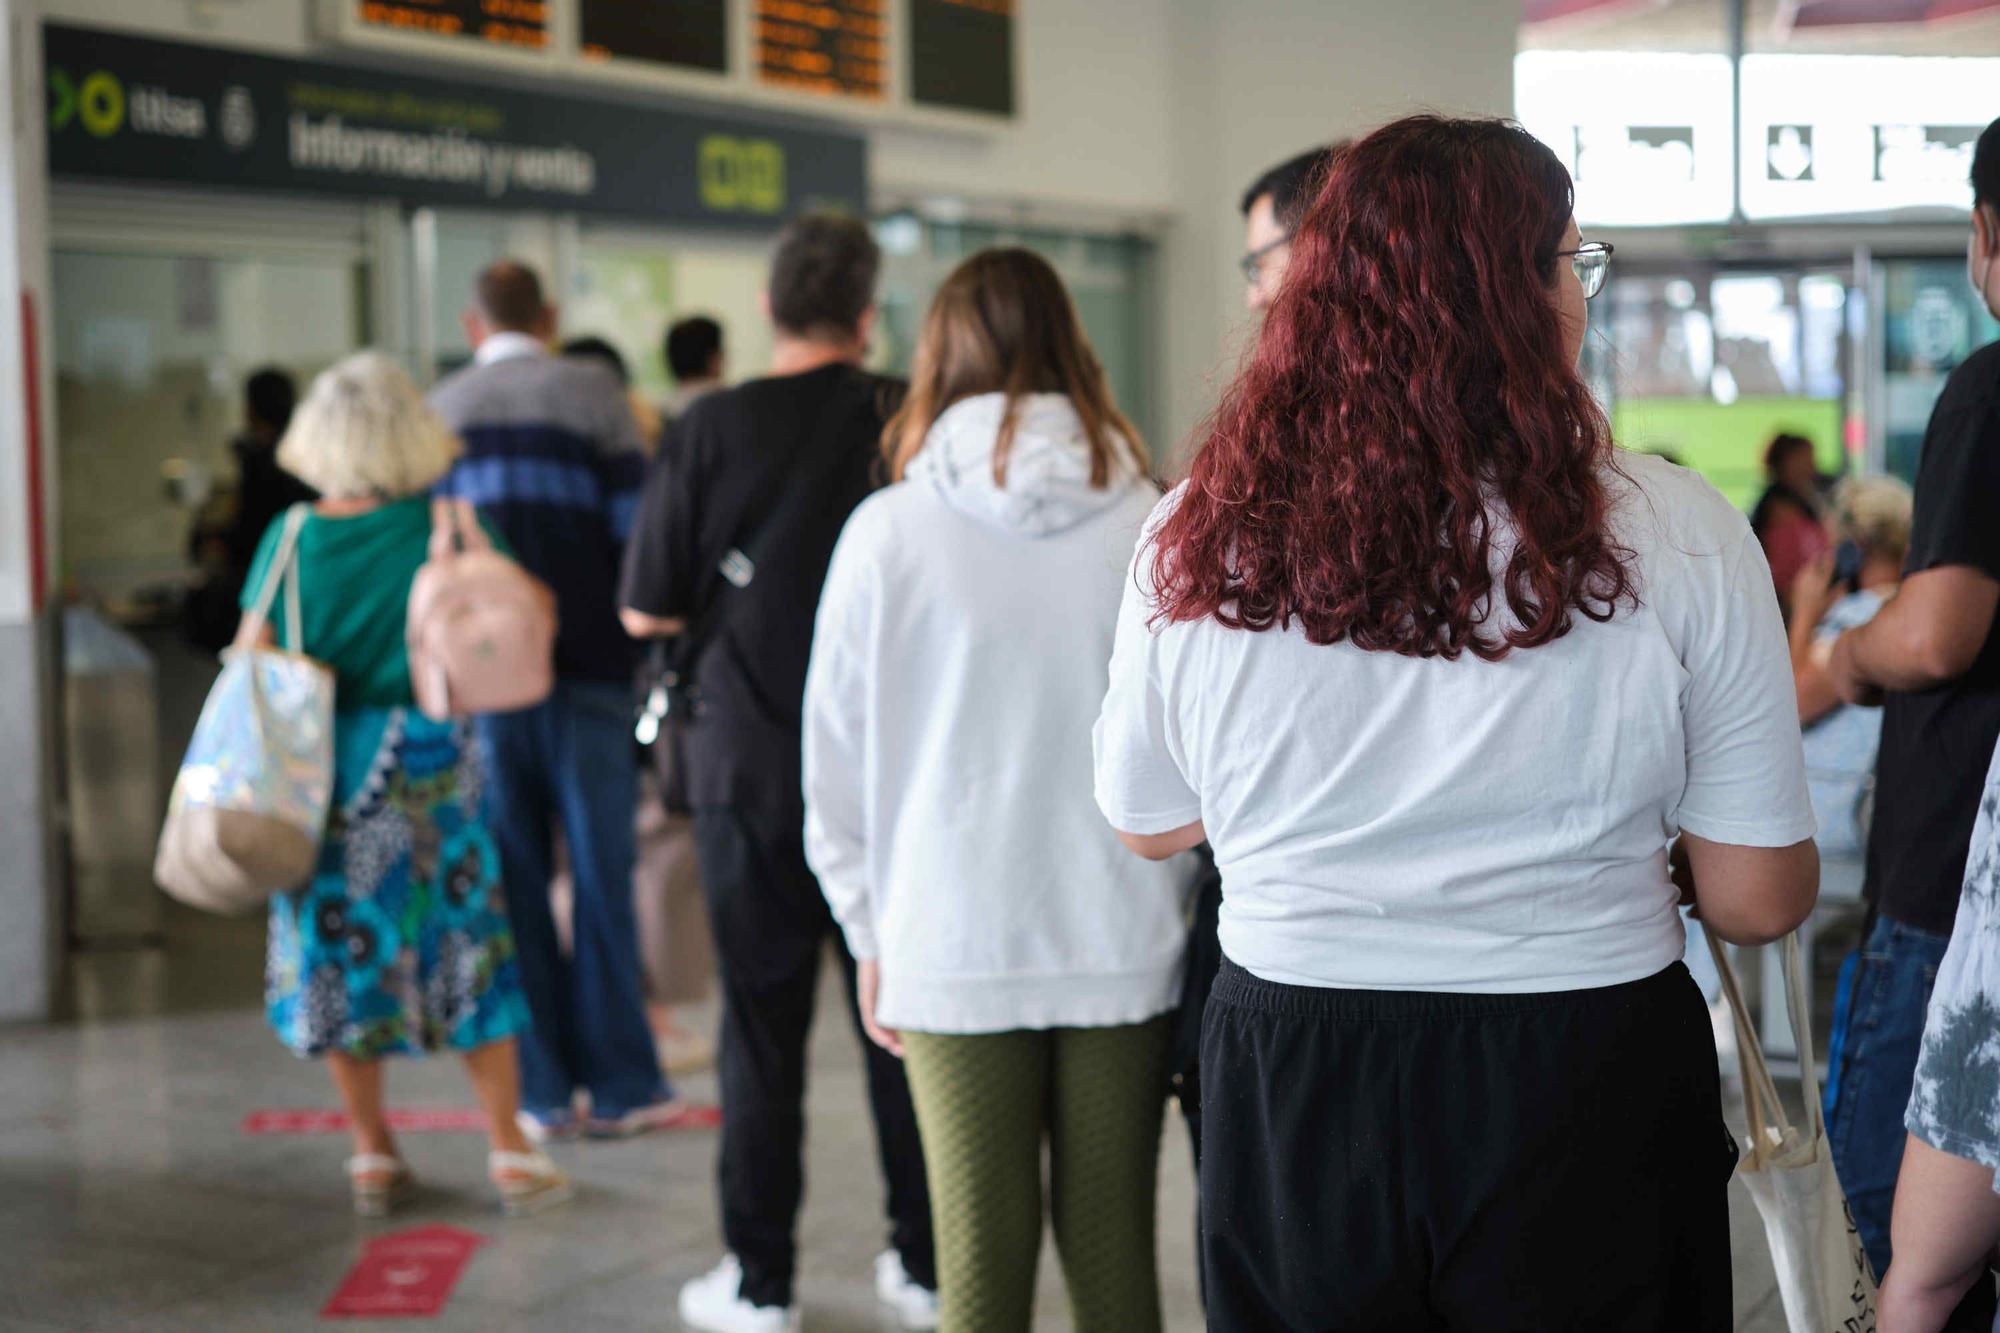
[
  {"x": 1789, "y": 517},
  {"x": 1440, "y": 675},
  {"x": 1931, "y": 657},
  {"x": 726, "y": 471},
  {"x": 1271, "y": 210},
  {"x": 226, "y": 534},
  {"x": 399, "y": 944},
  {"x": 553, "y": 456},
  {"x": 1872, "y": 516},
  {"x": 692, "y": 350},
  {"x": 264, "y": 489},
  {"x": 644, "y": 415},
  {"x": 1009, "y": 950}
]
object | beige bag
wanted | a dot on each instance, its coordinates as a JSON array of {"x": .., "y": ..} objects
[
  {"x": 481, "y": 629},
  {"x": 250, "y": 802},
  {"x": 1823, "y": 1275}
]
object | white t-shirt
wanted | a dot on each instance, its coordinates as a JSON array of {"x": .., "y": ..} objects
[{"x": 1399, "y": 823}]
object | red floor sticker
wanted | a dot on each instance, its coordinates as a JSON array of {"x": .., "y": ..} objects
[
  {"x": 428, "y": 1120},
  {"x": 696, "y": 1116},
  {"x": 413, "y": 1120},
  {"x": 404, "y": 1275}
]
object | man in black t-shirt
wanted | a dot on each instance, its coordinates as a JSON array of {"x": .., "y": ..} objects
[
  {"x": 1932, "y": 659},
  {"x": 799, "y": 447}
]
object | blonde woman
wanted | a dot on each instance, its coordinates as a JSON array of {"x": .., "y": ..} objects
[
  {"x": 1009, "y": 951},
  {"x": 399, "y": 944},
  {"x": 1872, "y": 518}
]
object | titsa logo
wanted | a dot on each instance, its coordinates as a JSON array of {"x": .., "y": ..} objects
[
  {"x": 103, "y": 106},
  {"x": 98, "y": 103}
]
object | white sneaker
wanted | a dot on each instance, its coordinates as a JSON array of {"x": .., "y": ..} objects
[
  {"x": 714, "y": 1303},
  {"x": 916, "y": 1306}
]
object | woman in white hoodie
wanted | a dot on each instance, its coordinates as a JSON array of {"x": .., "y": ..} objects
[{"x": 1009, "y": 950}]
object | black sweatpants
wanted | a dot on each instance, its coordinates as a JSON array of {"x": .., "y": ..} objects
[
  {"x": 771, "y": 924},
  {"x": 1427, "y": 1161}
]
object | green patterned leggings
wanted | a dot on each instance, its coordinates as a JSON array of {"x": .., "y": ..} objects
[{"x": 983, "y": 1105}]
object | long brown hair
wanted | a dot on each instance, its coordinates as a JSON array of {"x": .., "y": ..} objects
[{"x": 1002, "y": 323}]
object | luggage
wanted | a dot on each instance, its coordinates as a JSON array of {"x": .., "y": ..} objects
[
  {"x": 481, "y": 629},
  {"x": 250, "y": 803}
]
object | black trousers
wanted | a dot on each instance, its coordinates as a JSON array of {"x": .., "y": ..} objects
[
  {"x": 771, "y": 925},
  {"x": 1427, "y": 1161}
]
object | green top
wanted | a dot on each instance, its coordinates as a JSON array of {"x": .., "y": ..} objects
[{"x": 354, "y": 595}]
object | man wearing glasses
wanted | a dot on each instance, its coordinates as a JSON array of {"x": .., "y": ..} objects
[{"x": 1271, "y": 208}]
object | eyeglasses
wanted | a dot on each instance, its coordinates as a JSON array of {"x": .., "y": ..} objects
[
  {"x": 1252, "y": 263},
  {"x": 1591, "y": 262}
]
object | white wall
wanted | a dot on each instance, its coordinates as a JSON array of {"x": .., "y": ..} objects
[
  {"x": 1094, "y": 85},
  {"x": 1257, "y": 82},
  {"x": 29, "y": 940}
]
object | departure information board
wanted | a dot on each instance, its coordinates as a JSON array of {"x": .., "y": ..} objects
[
  {"x": 836, "y": 47},
  {"x": 962, "y": 55},
  {"x": 501, "y": 22},
  {"x": 685, "y": 34}
]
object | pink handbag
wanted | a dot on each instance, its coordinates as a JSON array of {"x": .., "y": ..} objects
[{"x": 481, "y": 629}]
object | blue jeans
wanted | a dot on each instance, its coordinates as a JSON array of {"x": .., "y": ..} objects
[
  {"x": 570, "y": 760},
  {"x": 1878, "y": 1025}
]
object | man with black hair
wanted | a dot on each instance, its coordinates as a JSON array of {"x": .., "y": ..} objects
[
  {"x": 692, "y": 350},
  {"x": 1272, "y": 207},
  {"x": 734, "y": 534},
  {"x": 1931, "y": 658},
  {"x": 263, "y": 489}
]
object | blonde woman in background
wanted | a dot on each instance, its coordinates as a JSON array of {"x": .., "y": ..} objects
[
  {"x": 399, "y": 943},
  {"x": 1872, "y": 520},
  {"x": 1009, "y": 951}
]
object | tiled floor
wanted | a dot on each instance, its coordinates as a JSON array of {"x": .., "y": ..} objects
[{"x": 130, "y": 1200}]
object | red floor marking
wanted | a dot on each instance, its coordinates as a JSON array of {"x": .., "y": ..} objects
[
  {"x": 413, "y": 1120},
  {"x": 406, "y": 1274},
  {"x": 428, "y": 1120},
  {"x": 695, "y": 1116}
]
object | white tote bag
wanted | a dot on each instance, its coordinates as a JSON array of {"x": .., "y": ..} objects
[
  {"x": 1823, "y": 1274},
  {"x": 250, "y": 803}
]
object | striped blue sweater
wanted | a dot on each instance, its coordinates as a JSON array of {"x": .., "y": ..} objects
[{"x": 553, "y": 460}]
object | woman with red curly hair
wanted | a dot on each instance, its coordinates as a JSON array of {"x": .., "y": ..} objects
[{"x": 1440, "y": 677}]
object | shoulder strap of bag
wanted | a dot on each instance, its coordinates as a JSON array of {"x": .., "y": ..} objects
[
  {"x": 783, "y": 489},
  {"x": 1767, "y": 1112},
  {"x": 284, "y": 568},
  {"x": 454, "y": 528}
]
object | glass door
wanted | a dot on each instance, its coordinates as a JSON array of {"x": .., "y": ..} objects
[
  {"x": 1705, "y": 363},
  {"x": 629, "y": 284},
  {"x": 158, "y": 329},
  {"x": 1109, "y": 276}
]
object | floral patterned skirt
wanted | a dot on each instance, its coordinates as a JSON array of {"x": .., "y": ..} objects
[{"x": 399, "y": 943}]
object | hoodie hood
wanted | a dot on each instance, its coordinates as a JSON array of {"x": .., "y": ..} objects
[{"x": 1048, "y": 468}]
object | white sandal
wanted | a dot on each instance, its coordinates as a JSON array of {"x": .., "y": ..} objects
[
  {"x": 528, "y": 1181},
  {"x": 379, "y": 1182}
]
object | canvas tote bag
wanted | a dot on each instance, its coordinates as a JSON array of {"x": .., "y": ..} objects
[
  {"x": 250, "y": 802},
  {"x": 1823, "y": 1273},
  {"x": 481, "y": 629}
]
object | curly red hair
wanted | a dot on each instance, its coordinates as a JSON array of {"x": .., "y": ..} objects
[{"x": 1409, "y": 409}]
